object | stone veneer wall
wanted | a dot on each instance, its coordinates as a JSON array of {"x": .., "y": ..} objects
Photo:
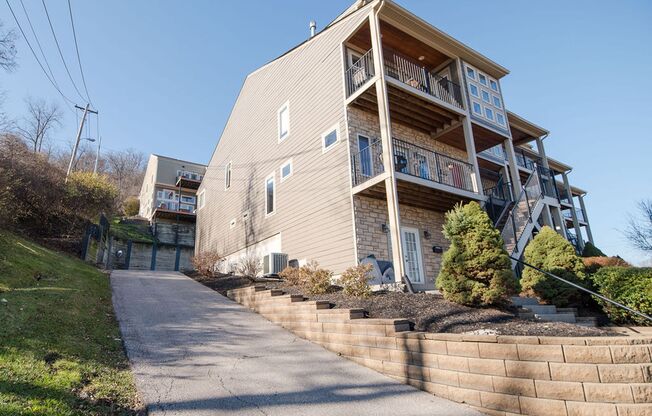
[
  {"x": 371, "y": 213},
  {"x": 498, "y": 375},
  {"x": 367, "y": 124}
]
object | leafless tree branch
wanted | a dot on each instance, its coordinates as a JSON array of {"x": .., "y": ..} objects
[{"x": 639, "y": 228}]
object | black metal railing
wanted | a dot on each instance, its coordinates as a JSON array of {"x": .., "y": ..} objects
[
  {"x": 523, "y": 160},
  {"x": 548, "y": 183},
  {"x": 578, "y": 212},
  {"x": 359, "y": 72},
  {"x": 521, "y": 214},
  {"x": 411, "y": 73},
  {"x": 423, "y": 163},
  {"x": 367, "y": 163},
  {"x": 499, "y": 198}
]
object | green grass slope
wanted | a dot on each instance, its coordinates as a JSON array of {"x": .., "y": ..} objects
[{"x": 60, "y": 348}]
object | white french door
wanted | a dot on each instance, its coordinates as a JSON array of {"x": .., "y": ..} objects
[{"x": 412, "y": 254}]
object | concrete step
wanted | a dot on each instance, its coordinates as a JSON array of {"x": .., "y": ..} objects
[
  {"x": 522, "y": 300},
  {"x": 589, "y": 321},
  {"x": 567, "y": 310},
  {"x": 541, "y": 309},
  {"x": 556, "y": 317}
]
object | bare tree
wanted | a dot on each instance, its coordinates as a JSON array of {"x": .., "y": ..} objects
[
  {"x": 41, "y": 119},
  {"x": 639, "y": 229},
  {"x": 126, "y": 169},
  {"x": 7, "y": 49}
]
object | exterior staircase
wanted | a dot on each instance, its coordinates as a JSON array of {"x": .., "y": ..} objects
[{"x": 531, "y": 308}]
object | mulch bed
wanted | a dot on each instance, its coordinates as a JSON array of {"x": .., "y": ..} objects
[{"x": 428, "y": 312}]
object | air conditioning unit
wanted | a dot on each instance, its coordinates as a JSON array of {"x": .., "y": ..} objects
[{"x": 274, "y": 263}]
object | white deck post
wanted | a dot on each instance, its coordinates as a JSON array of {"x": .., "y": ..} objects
[
  {"x": 576, "y": 223},
  {"x": 513, "y": 168},
  {"x": 386, "y": 140}
]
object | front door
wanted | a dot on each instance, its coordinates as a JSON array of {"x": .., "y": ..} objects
[{"x": 412, "y": 254}]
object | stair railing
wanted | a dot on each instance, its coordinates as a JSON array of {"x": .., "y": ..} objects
[
  {"x": 606, "y": 299},
  {"x": 518, "y": 216}
]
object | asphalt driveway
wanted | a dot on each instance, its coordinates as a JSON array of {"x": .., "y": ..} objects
[{"x": 195, "y": 352}]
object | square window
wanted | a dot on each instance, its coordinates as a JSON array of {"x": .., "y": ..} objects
[
  {"x": 270, "y": 195},
  {"x": 470, "y": 72},
  {"x": 329, "y": 139},
  {"x": 485, "y": 97},
  {"x": 473, "y": 89},
  {"x": 286, "y": 170},
  {"x": 496, "y": 102},
  {"x": 489, "y": 113},
  {"x": 483, "y": 79},
  {"x": 477, "y": 108},
  {"x": 493, "y": 84},
  {"x": 500, "y": 118},
  {"x": 284, "y": 122}
]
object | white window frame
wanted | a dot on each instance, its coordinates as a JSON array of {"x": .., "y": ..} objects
[
  {"x": 473, "y": 108},
  {"x": 287, "y": 163},
  {"x": 371, "y": 157},
  {"x": 228, "y": 174},
  {"x": 497, "y": 85},
  {"x": 336, "y": 129},
  {"x": 477, "y": 90},
  {"x": 273, "y": 178},
  {"x": 475, "y": 73},
  {"x": 486, "y": 78},
  {"x": 201, "y": 199},
  {"x": 482, "y": 93},
  {"x": 284, "y": 107},
  {"x": 504, "y": 123},
  {"x": 493, "y": 116}
]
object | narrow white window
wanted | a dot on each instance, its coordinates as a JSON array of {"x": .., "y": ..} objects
[
  {"x": 201, "y": 199},
  {"x": 270, "y": 195},
  {"x": 286, "y": 170},
  {"x": 330, "y": 138},
  {"x": 227, "y": 175},
  {"x": 284, "y": 122}
]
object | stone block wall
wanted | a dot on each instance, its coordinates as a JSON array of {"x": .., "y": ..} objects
[
  {"x": 368, "y": 124},
  {"x": 497, "y": 375},
  {"x": 371, "y": 213}
]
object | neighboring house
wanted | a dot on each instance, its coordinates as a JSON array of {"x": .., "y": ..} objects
[
  {"x": 358, "y": 140},
  {"x": 169, "y": 190}
]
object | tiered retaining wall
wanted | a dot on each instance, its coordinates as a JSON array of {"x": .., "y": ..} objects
[{"x": 498, "y": 375}]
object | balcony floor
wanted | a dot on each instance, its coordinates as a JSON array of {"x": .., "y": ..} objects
[{"x": 421, "y": 196}]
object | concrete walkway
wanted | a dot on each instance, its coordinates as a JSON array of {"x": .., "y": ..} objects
[{"x": 195, "y": 352}]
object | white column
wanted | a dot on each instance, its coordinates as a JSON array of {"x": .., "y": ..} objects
[
  {"x": 586, "y": 219},
  {"x": 513, "y": 168},
  {"x": 576, "y": 223},
  {"x": 386, "y": 140}
]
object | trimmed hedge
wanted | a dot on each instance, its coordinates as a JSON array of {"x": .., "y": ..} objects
[
  {"x": 552, "y": 253},
  {"x": 631, "y": 286},
  {"x": 592, "y": 251},
  {"x": 476, "y": 269}
]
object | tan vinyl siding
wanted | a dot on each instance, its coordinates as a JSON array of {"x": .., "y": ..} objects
[{"x": 313, "y": 206}]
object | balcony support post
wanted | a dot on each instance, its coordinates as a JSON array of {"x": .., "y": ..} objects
[
  {"x": 589, "y": 235},
  {"x": 468, "y": 136},
  {"x": 576, "y": 223},
  {"x": 559, "y": 220},
  {"x": 542, "y": 153},
  {"x": 513, "y": 168},
  {"x": 388, "y": 149}
]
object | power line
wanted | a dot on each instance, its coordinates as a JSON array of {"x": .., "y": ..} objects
[
  {"x": 56, "y": 41},
  {"x": 35, "y": 56},
  {"x": 74, "y": 34},
  {"x": 38, "y": 43}
]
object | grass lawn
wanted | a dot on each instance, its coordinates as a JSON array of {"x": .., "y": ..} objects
[
  {"x": 135, "y": 232},
  {"x": 60, "y": 348}
]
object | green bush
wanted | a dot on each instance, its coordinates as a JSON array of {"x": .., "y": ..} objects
[
  {"x": 552, "y": 253},
  {"x": 476, "y": 269},
  {"x": 131, "y": 206},
  {"x": 630, "y": 286},
  {"x": 592, "y": 251},
  {"x": 355, "y": 281}
]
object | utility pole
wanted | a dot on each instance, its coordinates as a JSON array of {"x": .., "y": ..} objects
[
  {"x": 97, "y": 155},
  {"x": 79, "y": 132}
]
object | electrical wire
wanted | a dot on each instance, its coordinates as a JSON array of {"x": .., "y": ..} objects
[
  {"x": 54, "y": 84},
  {"x": 38, "y": 43},
  {"x": 56, "y": 41},
  {"x": 74, "y": 34}
]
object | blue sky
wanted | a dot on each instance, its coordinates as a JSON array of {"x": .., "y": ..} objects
[{"x": 165, "y": 74}]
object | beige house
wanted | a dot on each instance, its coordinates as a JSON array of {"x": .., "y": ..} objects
[
  {"x": 169, "y": 189},
  {"x": 358, "y": 140}
]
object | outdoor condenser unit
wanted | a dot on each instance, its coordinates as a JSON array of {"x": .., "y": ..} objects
[{"x": 274, "y": 263}]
